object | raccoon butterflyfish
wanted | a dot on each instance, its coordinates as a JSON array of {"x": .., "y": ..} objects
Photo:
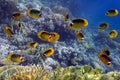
[
  {"x": 103, "y": 26},
  {"x": 50, "y": 37},
  {"x": 112, "y": 12},
  {"x": 17, "y": 15},
  {"x": 49, "y": 52},
  {"x": 80, "y": 35},
  {"x": 67, "y": 15},
  {"x": 79, "y": 23},
  {"x": 53, "y": 37},
  {"x": 113, "y": 34},
  {"x": 9, "y": 31},
  {"x": 34, "y": 13},
  {"x": 105, "y": 59},
  {"x": 14, "y": 57},
  {"x": 33, "y": 45},
  {"x": 44, "y": 35}
]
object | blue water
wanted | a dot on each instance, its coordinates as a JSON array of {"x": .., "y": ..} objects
[{"x": 93, "y": 10}]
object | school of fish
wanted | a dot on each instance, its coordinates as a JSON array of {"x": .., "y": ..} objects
[{"x": 78, "y": 24}]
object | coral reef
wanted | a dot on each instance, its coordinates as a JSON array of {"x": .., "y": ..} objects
[
  {"x": 36, "y": 72},
  {"x": 24, "y": 73},
  {"x": 77, "y": 73},
  {"x": 85, "y": 72},
  {"x": 113, "y": 75},
  {"x": 68, "y": 50}
]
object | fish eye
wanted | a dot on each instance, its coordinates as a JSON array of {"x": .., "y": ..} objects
[
  {"x": 53, "y": 35},
  {"x": 108, "y": 64},
  {"x": 50, "y": 36},
  {"x": 40, "y": 15},
  {"x": 107, "y": 13},
  {"x": 71, "y": 24},
  {"x": 21, "y": 58}
]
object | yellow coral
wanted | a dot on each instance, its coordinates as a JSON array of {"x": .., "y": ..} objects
[
  {"x": 77, "y": 73},
  {"x": 25, "y": 73}
]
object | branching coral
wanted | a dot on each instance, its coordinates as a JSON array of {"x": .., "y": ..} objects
[
  {"x": 25, "y": 73},
  {"x": 3, "y": 68}
]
